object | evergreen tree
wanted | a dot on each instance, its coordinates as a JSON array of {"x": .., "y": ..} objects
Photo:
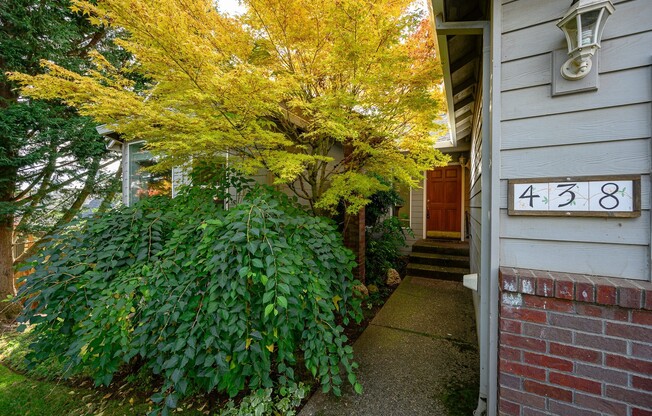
[{"x": 51, "y": 158}]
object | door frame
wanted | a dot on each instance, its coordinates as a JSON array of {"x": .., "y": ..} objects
[{"x": 462, "y": 199}]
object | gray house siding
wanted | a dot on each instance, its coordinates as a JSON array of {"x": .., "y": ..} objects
[
  {"x": 417, "y": 216},
  {"x": 475, "y": 188},
  {"x": 605, "y": 132}
]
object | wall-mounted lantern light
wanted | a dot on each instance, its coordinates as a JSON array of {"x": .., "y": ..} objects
[{"x": 583, "y": 24}]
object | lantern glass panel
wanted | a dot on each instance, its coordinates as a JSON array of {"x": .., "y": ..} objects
[
  {"x": 571, "y": 33},
  {"x": 589, "y": 27}
]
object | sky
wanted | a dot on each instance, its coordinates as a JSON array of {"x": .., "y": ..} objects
[{"x": 232, "y": 7}]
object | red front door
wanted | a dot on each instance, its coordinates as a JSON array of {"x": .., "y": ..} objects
[{"x": 444, "y": 200}]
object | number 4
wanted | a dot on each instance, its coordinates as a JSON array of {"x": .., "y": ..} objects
[{"x": 529, "y": 196}]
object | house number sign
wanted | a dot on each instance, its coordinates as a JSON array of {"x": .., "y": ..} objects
[{"x": 593, "y": 196}]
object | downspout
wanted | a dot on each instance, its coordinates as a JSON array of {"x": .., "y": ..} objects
[
  {"x": 493, "y": 59},
  {"x": 488, "y": 289}
]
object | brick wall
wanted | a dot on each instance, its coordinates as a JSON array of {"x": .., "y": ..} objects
[{"x": 574, "y": 345}]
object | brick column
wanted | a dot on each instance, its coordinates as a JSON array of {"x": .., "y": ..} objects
[
  {"x": 354, "y": 240},
  {"x": 574, "y": 345}
]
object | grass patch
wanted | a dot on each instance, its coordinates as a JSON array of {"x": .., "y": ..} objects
[
  {"x": 461, "y": 399},
  {"x": 22, "y": 396},
  {"x": 42, "y": 390}
]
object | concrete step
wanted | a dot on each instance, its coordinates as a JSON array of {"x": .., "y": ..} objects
[
  {"x": 437, "y": 272},
  {"x": 444, "y": 260},
  {"x": 453, "y": 248}
]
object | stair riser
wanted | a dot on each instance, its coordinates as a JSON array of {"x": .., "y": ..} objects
[
  {"x": 440, "y": 262},
  {"x": 450, "y": 251},
  {"x": 456, "y": 277}
]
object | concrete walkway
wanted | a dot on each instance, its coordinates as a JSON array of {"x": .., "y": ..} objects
[{"x": 418, "y": 350}]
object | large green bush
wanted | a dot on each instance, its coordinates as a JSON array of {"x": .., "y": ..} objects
[{"x": 209, "y": 299}]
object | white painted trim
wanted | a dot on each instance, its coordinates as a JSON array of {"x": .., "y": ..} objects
[
  {"x": 425, "y": 205},
  {"x": 126, "y": 197}
]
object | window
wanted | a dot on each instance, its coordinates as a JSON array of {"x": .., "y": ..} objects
[
  {"x": 403, "y": 213},
  {"x": 143, "y": 183}
]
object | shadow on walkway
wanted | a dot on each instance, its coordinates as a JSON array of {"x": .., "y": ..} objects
[{"x": 419, "y": 356}]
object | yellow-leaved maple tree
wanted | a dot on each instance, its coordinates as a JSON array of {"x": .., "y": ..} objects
[{"x": 326, "y": 95}]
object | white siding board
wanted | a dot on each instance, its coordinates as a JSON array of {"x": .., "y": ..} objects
[
  {"x": 576, "y": 257},
  {"x": 604, "y": 124},
  {"x": 625, "y": 52},
  {"x": 527, "y": 72},
  {"x": 645, "y": 193},
  {"x": 538, "y": 11},
  {"x": 635, "y": 231},
  {"x": 630, "y": 17},
  {"x": 615, "y": 55},
  {"x": 607, "y": 158},
  {"x": 616, "y": 89}
]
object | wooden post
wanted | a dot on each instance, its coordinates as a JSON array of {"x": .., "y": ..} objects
[{"x": 354, "y": 240}]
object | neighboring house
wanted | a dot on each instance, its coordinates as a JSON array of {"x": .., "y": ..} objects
[{"x": 565, "y": 301}]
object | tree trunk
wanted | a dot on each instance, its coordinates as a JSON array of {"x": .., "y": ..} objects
[{"x": 8, "y": 310}]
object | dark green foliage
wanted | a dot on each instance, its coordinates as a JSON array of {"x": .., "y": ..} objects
[
  {"x": 209, "y": 299},
  {"x": 384, "y": 237},
  {"x": 381, "y": 204},
  {"x": 384, "y": 242}
]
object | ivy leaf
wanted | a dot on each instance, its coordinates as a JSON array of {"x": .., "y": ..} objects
[
  {"x": 268, "y": 309},
  {"x": 282, "y": 301}
]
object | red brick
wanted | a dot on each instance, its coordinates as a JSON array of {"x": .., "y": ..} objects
[
  {"x": 641, "y": 412},
  {"x": 564, "y": 286},
  {"x": 636, "y": 333},
  {"x": 545, "y": 285},
  {"x": 523, "y": 314},
  {"x": 575, "y": 383},
  {"x": 648, "y": 299},
  {"x": 606, "y": 293},
  {"x": 522, "y": 370},
  {"x": 527, "y": 284},
  {"x": 508, "y": 281},
  {"x": 579, "y": 323},
  {"x": 602, "y": 374},
  {"x": 547, "y": 332},
  {"x": 547, "y": 361},
  {"x": 528, "y": 411},
  {"x": 509, "y": 325},
  {"x": 509, "y": 408},
  {"x": 584, "y": 289},
  {"x": 522, "y": 342},
  {"x": 511, "y": 381},
  {"x": 600, "y": 342},
  {"x": 548, "y": 391},
  {"x": 559, "y": 408},
  {"x": 600, "y": 404},
  {"x": 642, "y": 383},
  {"x": 606, "y": 312},
  {"x": 523, "y": 398},
  {"x": 635, "y": 398},
  {"x": 549, "y": 304},
  {"x": 575, "y": 353},
  {"x": 642, "y": 317},
  {"x": 510, "y": 354},
  {"x": 643, "y": 351},
  {"x": 630, "y": 364},
  {"x": 630, "y": 295}
]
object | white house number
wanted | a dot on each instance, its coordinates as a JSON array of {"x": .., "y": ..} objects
[{"x": 588, "y": 196}]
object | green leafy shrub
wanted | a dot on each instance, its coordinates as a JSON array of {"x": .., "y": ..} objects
[
  {"x": 261, "y": 403},
  {"x": 384, "y": 236},
  {"x": 210, "y": 300},
  {"x": 383, "y": 251}
]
